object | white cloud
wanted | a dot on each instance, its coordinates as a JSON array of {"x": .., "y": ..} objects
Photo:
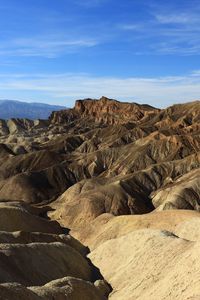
[
  {"x": 44, "y": 46},
  {"x": 167, "y": 30},
  {"x": 182, "y": 18},
  {"x": 161, "y": 91},
  {"x": 196, "y": 73}
]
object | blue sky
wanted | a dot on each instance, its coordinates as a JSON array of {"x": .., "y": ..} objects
[{"x": 146, "y": 51}]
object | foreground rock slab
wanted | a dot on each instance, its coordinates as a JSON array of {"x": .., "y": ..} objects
[{"x": 153, "y": 264}]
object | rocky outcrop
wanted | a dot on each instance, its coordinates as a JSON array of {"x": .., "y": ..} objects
[{"x": 104, "y": 110}]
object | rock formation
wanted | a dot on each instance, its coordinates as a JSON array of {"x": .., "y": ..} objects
[
  {"x": 123, "y": 178},
  {"x": 39, "y": 260}
]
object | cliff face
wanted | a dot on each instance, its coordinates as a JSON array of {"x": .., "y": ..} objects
[{"x": 104, "y": 110}]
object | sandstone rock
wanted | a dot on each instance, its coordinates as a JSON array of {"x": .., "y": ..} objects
[
  {"x": 105, "y": 110},
  {"x": 149, "y": 264},
  {"x": 106, "y": 227}
]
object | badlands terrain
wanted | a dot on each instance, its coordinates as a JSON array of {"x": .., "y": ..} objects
[{"x": 101, "y": 202}]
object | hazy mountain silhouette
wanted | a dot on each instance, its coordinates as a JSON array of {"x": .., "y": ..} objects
[{"x": 17, "y": 109}]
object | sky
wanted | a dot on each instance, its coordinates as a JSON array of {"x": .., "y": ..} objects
[{"x": 57, "y": 51}]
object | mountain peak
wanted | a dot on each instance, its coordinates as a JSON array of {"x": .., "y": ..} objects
[{"x": 105, "y": 110}]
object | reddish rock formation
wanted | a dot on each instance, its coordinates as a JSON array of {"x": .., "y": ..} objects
[{"x": 104, "y": 110}]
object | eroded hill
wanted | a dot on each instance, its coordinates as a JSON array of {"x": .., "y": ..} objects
[{"x": 118, "y": 175}]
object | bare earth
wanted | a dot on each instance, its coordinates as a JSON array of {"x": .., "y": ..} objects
[{"x": 101, "y": 201}]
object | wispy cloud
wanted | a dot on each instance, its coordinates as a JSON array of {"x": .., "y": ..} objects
[
  {"x": 169, "y": 30},
  {"x": 45, "y": 46},
  {"x": 182, "y": 18},
  {"x": 59, "y": 88}
]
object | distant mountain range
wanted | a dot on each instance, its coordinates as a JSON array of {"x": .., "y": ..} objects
[{"x": 17, "y": 109}]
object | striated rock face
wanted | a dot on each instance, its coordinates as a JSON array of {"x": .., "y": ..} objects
[
  {"x": 184, "y": 193},
  {"x": 104, "y": 110}
]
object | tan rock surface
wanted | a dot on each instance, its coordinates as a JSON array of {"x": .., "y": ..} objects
[
  {"x": 150, "y": 264},
  {"x": 106, "y": 227}
]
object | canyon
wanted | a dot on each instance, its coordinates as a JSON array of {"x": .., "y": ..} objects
[{"x": 101, "y": 201}]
